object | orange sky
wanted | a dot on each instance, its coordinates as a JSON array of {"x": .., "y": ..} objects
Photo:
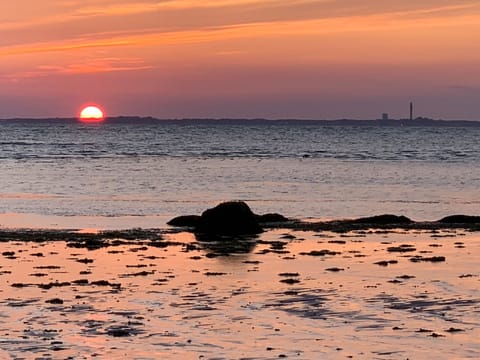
[{"x": 241, "y": 58}]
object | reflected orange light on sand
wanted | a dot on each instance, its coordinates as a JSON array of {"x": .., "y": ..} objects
[{"x": 130, "y": 290}]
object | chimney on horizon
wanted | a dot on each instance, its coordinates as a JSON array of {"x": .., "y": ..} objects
[{"x": 411, "y": 110}]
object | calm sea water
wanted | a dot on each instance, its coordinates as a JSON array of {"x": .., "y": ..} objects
[{"x": 141, "y": 174}]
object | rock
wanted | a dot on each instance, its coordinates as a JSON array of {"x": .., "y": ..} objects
[
  {"x": 193, "y": 220},
  {"x": 460, "y": 219},
  {"x": 55, "y": 301},
  {"x": 432, "y": 259},
  {"x": 228, "y": 218},
  {"x": 185, "y": 220},
  {"x": 402, "y": 248},
  {"x": 271, "y": 218},
  {"x": 383, "y": 220}
]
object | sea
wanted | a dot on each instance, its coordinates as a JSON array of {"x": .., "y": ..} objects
[
  {"x": 287, "y": 293},
  {"x": 121, "y": 173}
]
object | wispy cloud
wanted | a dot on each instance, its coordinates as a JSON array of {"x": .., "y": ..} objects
[
  {"x": 396, "y": 20},
  {"x": 101, "y": 65},
  {"x": 233, "y": 10},
  {"x": 77, "y": 10},
  {"x": 62, "y": 46},
  {"x": 144, "y": 7}
]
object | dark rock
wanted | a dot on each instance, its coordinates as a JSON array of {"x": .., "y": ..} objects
[
  {"x": 119, "y": 331},
  {"x": 55, "y": 301},
  {"x": 19, "y": 285},
  {"x": 286, "y": 274},
  {"x": 406, "y": 277},
  {"x": 185, "y": 221},
  {"x": 213, "y": 273},
  {"x": 53, "y": 284},
  {"x": 85, "y": 261},
  {"x": 386, "y": 262},
  {"x": 383, "y": 220},
  {"x": 290, "y": 281},
  {"x": 395, "y": 281},
  {"x": 433, "y": 259},
  {"x": 422, "y": 330},
  {"x": 454, "y": 330},
  {"x": 337, "y": 242},
  {"x": 271, "y": 218},
  {"x": 320, "y": 253},
  {"x": 402, "y": 248},
  {"x": 460, "y": 219},
  {"x": 228, "y": 218},
  {"x": 80, "y": 282},
  {"x": 105, "y": 283}
]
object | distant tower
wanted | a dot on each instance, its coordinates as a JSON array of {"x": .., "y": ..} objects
[
  {"x": 384, "y": 116},
  {"x": 411, "y": 111}
]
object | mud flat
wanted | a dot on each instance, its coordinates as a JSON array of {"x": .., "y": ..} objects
[{"x": 298, "y": 292}]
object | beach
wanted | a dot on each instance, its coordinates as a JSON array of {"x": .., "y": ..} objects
[
  {"x": 74, "y": 284},
  {"x": 239, "y": 180},
  {"x": 364, "y": 294}
]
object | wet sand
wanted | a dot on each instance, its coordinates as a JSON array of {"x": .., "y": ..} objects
[{"x": 363, "y": 294}]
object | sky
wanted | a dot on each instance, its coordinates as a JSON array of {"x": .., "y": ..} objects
[{"x": 324, "y": 59}]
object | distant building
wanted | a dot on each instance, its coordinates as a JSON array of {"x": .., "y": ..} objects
[{"x": 384, "y": 116}]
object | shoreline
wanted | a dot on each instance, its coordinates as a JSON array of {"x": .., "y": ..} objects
[
  {"x": 32, "y": 221},
  {"x": 368, "y": 224}
]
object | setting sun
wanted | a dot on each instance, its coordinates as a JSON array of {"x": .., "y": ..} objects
[{"x": 92, "y": 113}]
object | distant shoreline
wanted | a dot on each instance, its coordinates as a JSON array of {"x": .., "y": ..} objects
[{"x": 418, "y": 122}]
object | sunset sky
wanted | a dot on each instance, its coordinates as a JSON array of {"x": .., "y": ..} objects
[{"x": 321, "y": 59}]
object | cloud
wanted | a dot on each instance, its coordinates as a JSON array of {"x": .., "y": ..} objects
[
  {"x": 100, "y": 65},
  {"x": 145, "y": 7},
  {"x": 69, "y": 11},
  {"x": 257, "y": 29},
  {"x": 210, "y": 12},
  {"x": 101, "y": 24}
]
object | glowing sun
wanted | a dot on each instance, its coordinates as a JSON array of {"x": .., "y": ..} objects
[{"x": 92, "y": 113}]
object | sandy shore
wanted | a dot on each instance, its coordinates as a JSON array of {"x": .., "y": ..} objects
[{"x": 363, "y": 294}]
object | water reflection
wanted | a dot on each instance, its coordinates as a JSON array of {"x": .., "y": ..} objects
[{"x": 226, "y": 245}]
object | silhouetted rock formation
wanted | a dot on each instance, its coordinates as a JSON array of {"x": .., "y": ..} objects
[
  {"x": 235, "y": 218},
  {"x": 271, "y": 218},
  {"x": 228, "y": 218},
  {"x": 185, "y": 221},
  {"x": 385, "y": 219},
  {"x": 460, "y": 219},
  {"x": 191, "y": 221}
]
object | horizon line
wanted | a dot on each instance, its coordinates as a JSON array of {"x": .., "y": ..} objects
[{"x": 154, "y": 118}]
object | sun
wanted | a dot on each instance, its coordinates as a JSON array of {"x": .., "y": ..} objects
[{"x": 92, "y": 113}]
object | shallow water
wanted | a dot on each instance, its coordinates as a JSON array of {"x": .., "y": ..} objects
[
  {"x": 187, "y": 300},
  {"x": 120, "y": 175}
]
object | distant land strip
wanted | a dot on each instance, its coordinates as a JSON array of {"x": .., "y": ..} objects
[{"x": 418, "y": 122}]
